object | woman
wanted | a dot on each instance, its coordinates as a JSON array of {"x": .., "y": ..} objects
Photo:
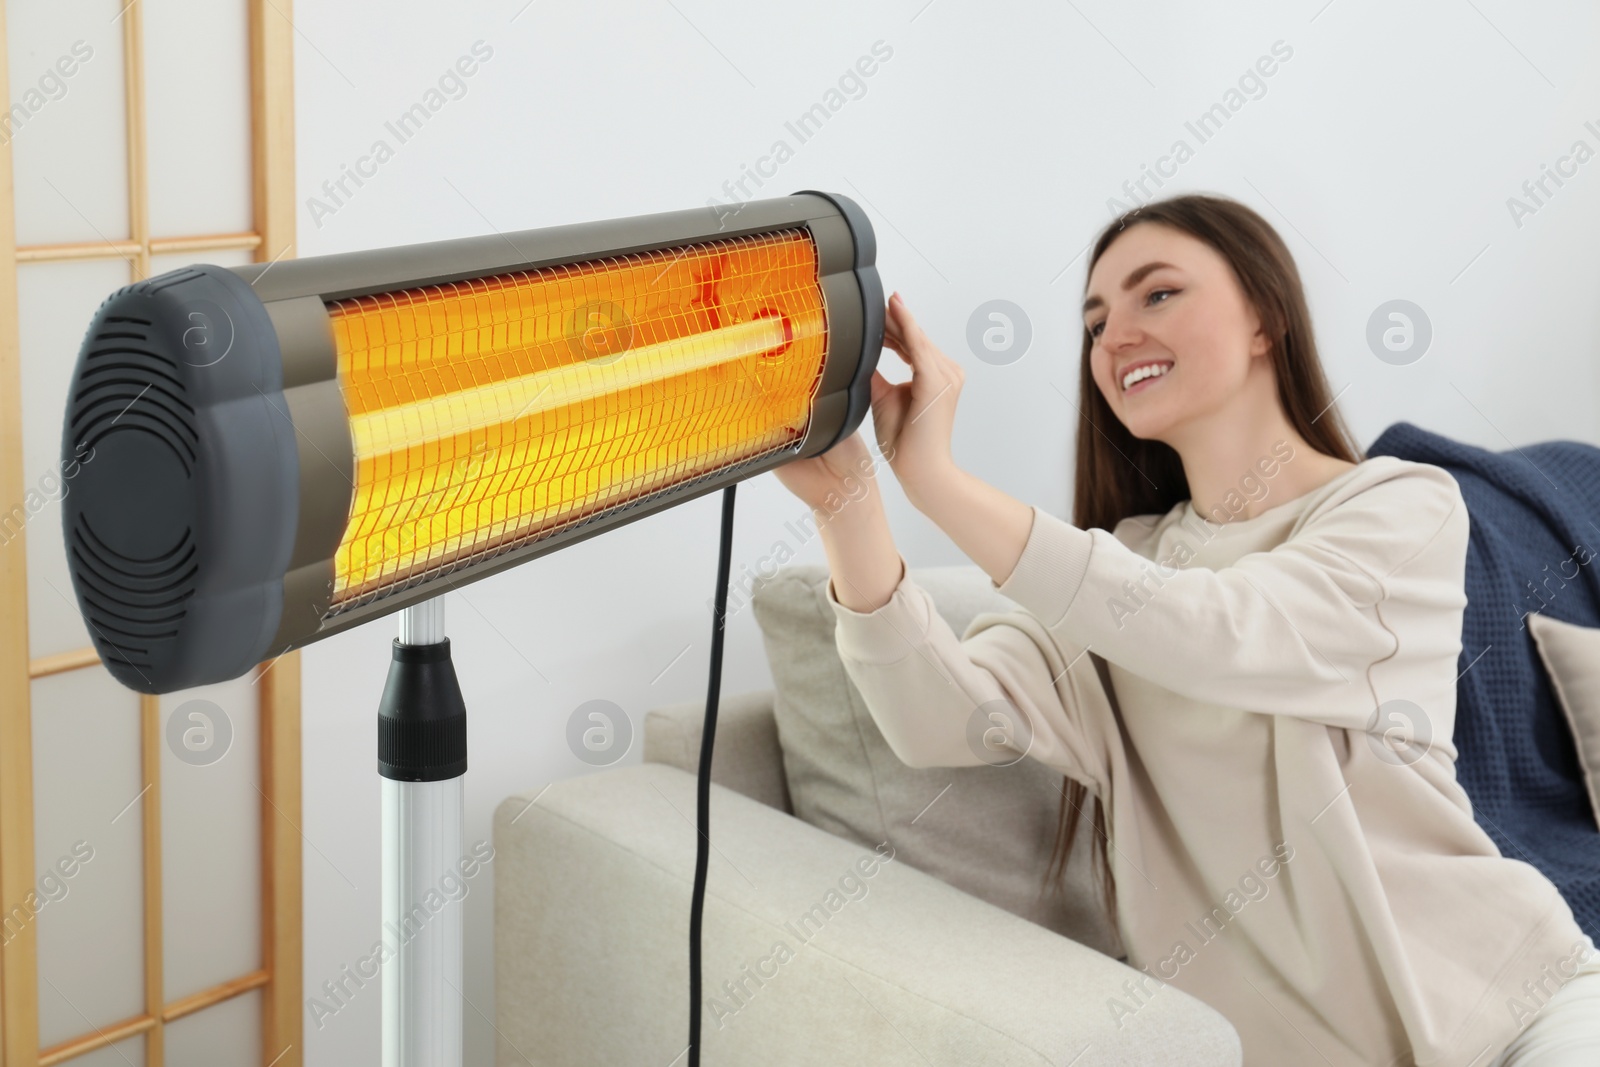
[{"x": 1252, "y": 673}]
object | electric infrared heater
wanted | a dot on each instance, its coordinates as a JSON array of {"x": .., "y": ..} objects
[{"x": 271, "y": 454}]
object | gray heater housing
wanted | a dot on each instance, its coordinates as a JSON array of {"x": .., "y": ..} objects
[{"x": 216, "y": 469}]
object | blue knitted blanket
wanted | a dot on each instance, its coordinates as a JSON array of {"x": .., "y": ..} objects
[{"x": 1535, "y": 514}]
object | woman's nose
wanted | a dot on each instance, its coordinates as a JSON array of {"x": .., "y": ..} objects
[{"x": 1118, "y": 332}]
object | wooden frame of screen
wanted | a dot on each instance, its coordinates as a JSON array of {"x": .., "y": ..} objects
[{"x": 278, "y": 684}]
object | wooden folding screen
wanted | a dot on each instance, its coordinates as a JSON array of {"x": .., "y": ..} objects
[{"x": 271, "y": 101}]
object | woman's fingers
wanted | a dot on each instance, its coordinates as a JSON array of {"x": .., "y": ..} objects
[
  {"x": 912, "y": 343},
  {"x": 895, "y": 342},
  {"x": 892, "y": 338},
  {"x": 932, "y": 372},
  {"x": 895, "y": 319},
  {"x": 880, "y": 386},
  {"x": 892, "y": 325},
  {"x": 905, "y": 325}
]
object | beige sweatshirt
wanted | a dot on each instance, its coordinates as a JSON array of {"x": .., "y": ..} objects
[{"x": 1325, "y": 889}]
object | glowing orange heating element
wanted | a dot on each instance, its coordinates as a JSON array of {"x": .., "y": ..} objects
[{"x": 488, "y": 413}]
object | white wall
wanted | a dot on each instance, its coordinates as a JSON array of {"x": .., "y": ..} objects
[{"x": 985, "y": 150}]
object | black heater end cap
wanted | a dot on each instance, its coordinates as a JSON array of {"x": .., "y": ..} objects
[{"x": 181, "y": 473}]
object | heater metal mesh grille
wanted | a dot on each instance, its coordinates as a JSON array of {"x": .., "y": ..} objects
[{"x": 491, "y": 412}]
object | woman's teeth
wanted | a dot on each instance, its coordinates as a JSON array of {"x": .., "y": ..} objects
[{"x": 1139, "y": 374}]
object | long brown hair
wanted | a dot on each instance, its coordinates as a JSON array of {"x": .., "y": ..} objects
[{"x": 1118, "y": 474}]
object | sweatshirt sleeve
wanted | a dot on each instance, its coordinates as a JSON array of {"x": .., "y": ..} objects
[
  {"x": 1295, "y": 630},
  {"x": 924, "y": 687}
]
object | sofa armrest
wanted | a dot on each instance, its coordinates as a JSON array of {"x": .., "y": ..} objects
[
  {"x": 815, "y": 950},
  {"x": 747, "y": 759}
]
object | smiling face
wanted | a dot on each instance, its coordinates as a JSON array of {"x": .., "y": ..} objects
[{"x": 1159, "y": 298}]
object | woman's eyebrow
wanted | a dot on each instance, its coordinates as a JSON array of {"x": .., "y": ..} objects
[{"x": 1133, "y": 279}]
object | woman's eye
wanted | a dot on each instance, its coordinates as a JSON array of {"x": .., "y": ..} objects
[{"x": 1094, "y": 331}]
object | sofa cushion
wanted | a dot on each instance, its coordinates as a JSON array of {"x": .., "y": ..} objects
[
  {"x": 1571, "y": 654},
  {"x": 747, "y": 756},
  {"x": 815, "y": 950},
  {"x": 985, "y": 830}
]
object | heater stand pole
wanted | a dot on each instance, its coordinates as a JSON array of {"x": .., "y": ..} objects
[{"x": 422, "y": 757}]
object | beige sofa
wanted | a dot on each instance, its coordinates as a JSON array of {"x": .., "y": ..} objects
[{"x": 820, "y": 945}]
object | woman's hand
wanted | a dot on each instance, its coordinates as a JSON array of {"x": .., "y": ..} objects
[
  {"x": 843, "y": 472},
  {"x": 914, "y": 420},
  {"x": 841, "y": 486}
]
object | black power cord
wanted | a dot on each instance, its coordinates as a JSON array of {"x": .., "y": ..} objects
[{"x": 703, "y": 785}]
